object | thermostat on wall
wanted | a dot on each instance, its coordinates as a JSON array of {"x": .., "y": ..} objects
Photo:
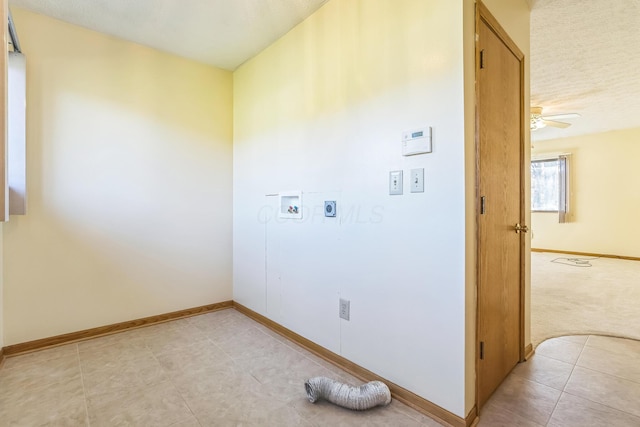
[{"x": 416, "y": 141}]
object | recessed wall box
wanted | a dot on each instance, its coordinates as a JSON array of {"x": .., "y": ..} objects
[
  {"x": 417, "y": 141},
  {"x": 290, "y": 204}
]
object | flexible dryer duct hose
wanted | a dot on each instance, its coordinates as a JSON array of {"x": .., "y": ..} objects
[{"x": 366, "y": 396}]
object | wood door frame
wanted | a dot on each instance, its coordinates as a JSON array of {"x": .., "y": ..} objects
[{"x": 484, "y": 15}]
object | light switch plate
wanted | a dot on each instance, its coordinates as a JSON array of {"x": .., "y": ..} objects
[
  {"x": 395, "y": 182},
  {"x": 417, "y": 180}
]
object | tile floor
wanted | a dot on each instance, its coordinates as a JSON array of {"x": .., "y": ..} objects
[
  {"x": 573, "y": 381},
  {"x": 217, "y": 369},
  {"x": 223, "y": 369}
]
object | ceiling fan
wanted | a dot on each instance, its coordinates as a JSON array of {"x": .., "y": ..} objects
[{"x": 538, "y": 121}]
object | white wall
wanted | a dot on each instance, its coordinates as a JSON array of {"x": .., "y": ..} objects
[
  {"x": 129, "y": 183},
  {"x": 322, "y": 111},
  {"x": 604, "y": 195}
]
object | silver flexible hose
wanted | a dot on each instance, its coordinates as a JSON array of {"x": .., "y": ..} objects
[{"x": 366, "y": 396}]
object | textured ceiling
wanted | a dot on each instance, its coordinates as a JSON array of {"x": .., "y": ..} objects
[
  {"x": 223, "y": 33},
  {"x": 585, "y": 55},
  {"x": 585, "y": 58}
]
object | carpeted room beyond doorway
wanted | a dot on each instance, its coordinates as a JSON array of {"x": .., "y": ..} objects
[{"x": 581, "y": 295}]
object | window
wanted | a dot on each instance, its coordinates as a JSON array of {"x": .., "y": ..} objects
[
  {"x": 549, "y": 186},
  {"x": 15, "y": 104},
  {"x": 16, "y": 133}
]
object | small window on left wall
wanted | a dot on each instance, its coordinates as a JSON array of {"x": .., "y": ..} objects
[{"x": 16, "y": 134}]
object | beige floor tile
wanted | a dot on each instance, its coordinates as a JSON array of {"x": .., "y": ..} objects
[
  {"x": 533, "y": 401},
  {"x": 611, "y": 361},
  {"x": 191, "y": 421},
  {"x": 239, "y": 404},
  {"x": 185, "y": 324},
  {"x": 559, "y": 349},
  {"x": 193, "y": 358},
  {"x": 249, "y": 344},
  {"x": 545, "y": 370},
  {"x": 215, "y": 377},
  {"x": 282, "y": 416},
  {"x": 211, "y": 421},
  {"x": 285, "y": 416},
  {"x": 215, "y": 388},
  {"x": 122, "y": 374},
  {"x": 157, "y": 405},
  {"x": 59, "y": 403},
  {"x": 129, "y": 337},
  {"x": 105, "y": 356},
  {"x": 41, "y": 356},
  {"x": 336, "y": 372},
  {"x": 273, "y": 360},
  {"x": 496, "y": 416},
  {"x": 174, "y": 339},
  {"x": 298, "y": 368},
  {"x": 605, "y": 389},
  {"x": 274, "y": 334},
  {"x": 36, "y": 372},
  {"x": 414, "y": 415},
  {"x": 573, "y": 411},
  {"x": 324, "y": 414},
  {"x": 222, "y": 324}
]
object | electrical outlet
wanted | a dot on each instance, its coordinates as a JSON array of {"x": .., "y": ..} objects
[{"x": 344, "y": 309}]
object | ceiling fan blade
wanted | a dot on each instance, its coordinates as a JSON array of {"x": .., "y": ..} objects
[
  {"x": 561, "y": 116},
  {"x": 555, "y": 124}
]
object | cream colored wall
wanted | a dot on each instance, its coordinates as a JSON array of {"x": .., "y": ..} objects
[
  {"x": 605, "y": 195},
  {"x": 513, "y": 16},
  {"x": 129, "y": 182}
]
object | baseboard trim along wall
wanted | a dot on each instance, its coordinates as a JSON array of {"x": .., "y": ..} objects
[
  {"x": 57, "y": 340},
  {"x": 1, "y": 356},
  {"x": 399, "y": 393},
  {"x": 589, "y": 254},
  {"x": 528, "y": 352}
]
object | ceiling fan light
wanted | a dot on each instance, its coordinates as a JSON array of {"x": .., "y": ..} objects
[{"x": 537, "y": 122}]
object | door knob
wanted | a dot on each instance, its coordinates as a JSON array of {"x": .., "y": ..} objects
[{"x": 522, "y": 228}]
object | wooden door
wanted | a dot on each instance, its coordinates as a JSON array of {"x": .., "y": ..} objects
[{"x": 500, "y": 135}]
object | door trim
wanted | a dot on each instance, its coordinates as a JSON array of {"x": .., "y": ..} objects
[{"x": 483, "y": 15}]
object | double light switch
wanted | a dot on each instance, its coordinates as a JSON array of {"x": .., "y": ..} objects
[{"x": 416, "y": 181}]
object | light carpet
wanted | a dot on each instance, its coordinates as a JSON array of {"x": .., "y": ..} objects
[{"x": 579, "y": 295}]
